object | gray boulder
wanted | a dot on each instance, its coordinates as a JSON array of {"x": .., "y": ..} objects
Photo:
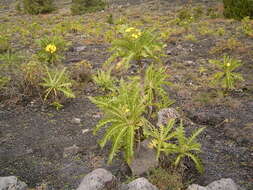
[
  {"x": 99, "y": 179},
  {"x": 144, "y": 160},
  {"x": 12, "y": 183},
  {"x": 141, "y": 184},
  {"x": 222, "y": 184}
]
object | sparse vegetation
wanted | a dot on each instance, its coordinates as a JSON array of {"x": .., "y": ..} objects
[
  {"x": 38, "y": 6},
  {"x": 125, "y": 69},
  {"x": 86, "y": 6}
]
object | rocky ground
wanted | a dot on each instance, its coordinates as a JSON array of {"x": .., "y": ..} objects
[{"x": 44, "y": 146}]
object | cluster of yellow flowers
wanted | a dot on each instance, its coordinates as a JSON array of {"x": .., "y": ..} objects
[
  {"x": 51, "y": 48},
  {"x": 134, "y": 32}
]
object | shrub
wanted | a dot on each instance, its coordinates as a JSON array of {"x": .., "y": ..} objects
[
  {"x": 134, "y": 45},
  {"x": 247, "y": 26},
  {"x": 181, "y": 145},
  {"x": 226, "y": 77},
  {"x": 86, "y": 6},
  {"x": 38, "y": 6},
  {"x": 32, "y": 73},
  {"x": 4, "y": 44},
  {"x": 238, "y": 9},
  {"x": 104, "y": 80},
  {"x": 123, "y": 118}
]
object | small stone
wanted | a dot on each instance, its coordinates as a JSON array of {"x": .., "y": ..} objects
[
  {"x": 144, "y": 160},
  {"x": 85, "y": 131},
  {"x": 141, "y": 184},
  {"x": 29, "y": 151},
  {"x": 222, "y": 184},
  {"x": 70, "y": 151},
  {"x": 12, "y": 183},
  {"x": 80, "y": 48},
  {"x": 196, "y": 187},
  {"x": 99, "y": 179},
  {"x": 169, "y": 52},
  {"x": 164, "y": 115},
  {"x": 76, "y": 120}
]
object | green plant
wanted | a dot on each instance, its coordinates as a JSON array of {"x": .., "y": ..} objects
[
  {"x": 190, "y": 37},
  {"x": 226, "y": 77},
  {"x": 183, "y": 147},
  {"x": 166, "y": 179},
  {"x": 184, "y": 17},
  {"x": 161, "y": 135},
  {"x": 86, "y": 6},
  {"x": 238, "y": 9},
  {"x": 187, "y": 15},
  {"x": 4, "y": 81},
  {"x": 135, "y": 45},
  {"x": 51, "y": 49},
  {"x": 9, "y": 58},
  {"x": 56, "y": 82},
  {"x": 104, "y": 80},
  {"x": 81, "y": 71},
  {"x": 204, "y": 28},
  {"x": 154, "y": 82},
  {"x": 247, "y": 26},
  {"x": 38, "y": 6},
  {"x": 186, "y": 147},
  {"x": 32, "y": 74},
  {"x": 123, "y": 118},
  {"x": 4, "y": 44},
  {"x": 57, "y": 105},
  {"x": 229, "y": 44}
]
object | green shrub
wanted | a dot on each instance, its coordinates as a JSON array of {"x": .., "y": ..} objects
[
  {"x": 238, "y": 9},
  {"x": 226, "y": 77},
  {"x": 86, "y": 6},
  {"x": 38, "y": 6},
  {"x": 123, "y": 119},
  {"x": 4, "y": 44},
  {"x": 181, "y": 146},
  {"x": 135, "y": 45}
]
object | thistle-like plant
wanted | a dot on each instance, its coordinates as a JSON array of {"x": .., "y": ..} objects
[
  {"x": 123, "y": 118},
  {"x": 160, "y": 136},
  {"x": 154, "y": 82},
  {"x": 226, "y": 77},
  {"x": 57, "y": 82},
  {"x": 175, "y": 142},
  {"x": 135, "y": 44},
  {"x": 104, "y": 80},
  {"x": 51, "y": 49},
  {"x": 186, "y": 147}
]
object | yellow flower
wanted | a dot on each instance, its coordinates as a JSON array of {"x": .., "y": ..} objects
[
  {"x": 228, "y": 64},
  {"x": 135, "y": 36},
  {"x": 152, "y": 144},
  {"x": 130, "y": 29},
  {"x": 134, "y": 32},
  {"x": 51, "y": 48}
]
